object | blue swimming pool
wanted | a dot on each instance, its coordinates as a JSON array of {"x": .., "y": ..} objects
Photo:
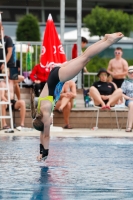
[{"x": 77, "y": 169}]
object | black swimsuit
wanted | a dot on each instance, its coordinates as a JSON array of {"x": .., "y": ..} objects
[
  {"x": 54, "y": 88},
  {"x": 53, "y": 80}
]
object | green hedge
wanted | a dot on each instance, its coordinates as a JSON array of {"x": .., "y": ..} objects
[{"x": 28, "y": 29}]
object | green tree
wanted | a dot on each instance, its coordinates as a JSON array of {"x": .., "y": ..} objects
[
  {"x": 28, "y": 29},
  {"x": 102, "y": 21}
]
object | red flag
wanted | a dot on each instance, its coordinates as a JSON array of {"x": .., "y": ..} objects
[
  {"x": 52, "y": 49},
  {"x": 74, "y": 51}
]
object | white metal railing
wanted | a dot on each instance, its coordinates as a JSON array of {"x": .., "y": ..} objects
[
  {"x": 89, "y": 78},
  {"x": 36, "y": 48}
]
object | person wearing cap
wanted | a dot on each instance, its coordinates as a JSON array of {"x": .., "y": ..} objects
[
  {"x": 53, "y": 87},
  {"x": 118, "y": 67},
  {"x": 127, "y": 88},
  {"x": 103, "y": 92}
]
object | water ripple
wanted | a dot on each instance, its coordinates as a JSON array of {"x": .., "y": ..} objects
[{"x": 76, "y": 169}]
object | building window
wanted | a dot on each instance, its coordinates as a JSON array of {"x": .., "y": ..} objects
[
  {"x": 55, "y": 15},
  {"x": 36, "y": 13},
  {"x": 12, "y": 15},
  {"x": 70, "y": 16}
]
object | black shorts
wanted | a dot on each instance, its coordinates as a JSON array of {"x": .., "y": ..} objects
[
  {"x": 105, "y": 101},
  {"x": 118, "y": 82},
  {"x": 12, "y": 104},
  {"x": 13, "y": 73}
]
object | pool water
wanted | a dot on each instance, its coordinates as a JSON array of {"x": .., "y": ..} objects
[{"x": 76, "y": 169}]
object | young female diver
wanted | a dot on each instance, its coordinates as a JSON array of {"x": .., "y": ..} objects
[{"x": 51, "y": 91}]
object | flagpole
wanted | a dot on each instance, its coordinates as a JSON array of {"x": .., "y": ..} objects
[
  {"x": 79, "y": 21},
  {"x": 62, "y": 20}
]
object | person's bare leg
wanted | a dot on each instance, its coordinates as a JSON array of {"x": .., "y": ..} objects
[
  {"x": 64, "y": 102},
  {"x": 94, "y": 93},
  {"x": 17, "y": 91},
  {"x": 117, "y": 94},
  {"x": 73, "y": 67},
  {"x": 130, "y": 115},
  {"x": 20, "y": 104},
  {"x": 4, "y": 114},
  {"x": 66, "y": 113},
  {"x": 71, "y": 103},
  {"x": 58, "y": 104}
]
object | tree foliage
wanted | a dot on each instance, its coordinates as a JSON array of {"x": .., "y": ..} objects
[
  {"x": 28, "y": 29},
  {"x": 102, "y": 21}
]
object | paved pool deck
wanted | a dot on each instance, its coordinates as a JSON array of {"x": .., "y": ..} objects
[{"x": 79, "y": 132}]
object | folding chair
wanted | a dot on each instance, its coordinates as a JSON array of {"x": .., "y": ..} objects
[
  {"x": 121, "y": 108},
  {"x": 98, "y": 108}
]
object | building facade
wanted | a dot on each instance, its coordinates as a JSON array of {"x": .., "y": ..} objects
[{"x": 13, "y": 10}]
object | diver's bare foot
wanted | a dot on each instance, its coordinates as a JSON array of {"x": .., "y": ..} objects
[
  {"x": 114, "y": 37},
  {"x": 39, "y": 158}
]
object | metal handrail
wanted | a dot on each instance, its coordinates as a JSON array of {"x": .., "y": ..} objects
[{"x": 87, "y": 83}]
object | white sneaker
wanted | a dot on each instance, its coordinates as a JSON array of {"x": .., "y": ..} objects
[
  {"x": 28, "y": 81},
  {"x": 20, "y": 128}
]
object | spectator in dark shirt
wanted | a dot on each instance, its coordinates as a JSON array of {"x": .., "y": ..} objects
[
  {"x": 8, "y": 51},
  {"x": 104, "y": 93},
  {"x": 10, "y": 60}
]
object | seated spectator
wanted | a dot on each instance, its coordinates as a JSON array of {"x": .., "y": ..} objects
[
  {"x": 19, "y": 104},
  {"x": 104, "y": 93},
  {"x": 110, "y": 80},
  {"x": 65, "y": 103},
  {"x": 127, "y": 88},
  {"x": 39, "y": 76}
]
